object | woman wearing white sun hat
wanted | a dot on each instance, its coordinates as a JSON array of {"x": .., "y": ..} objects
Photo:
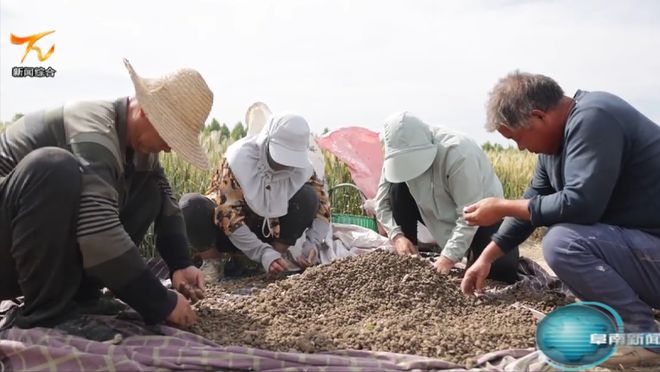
[
  {"x": 429, "y": 175},
  {"x": 264, "y": 195},
  {"x": 80, "y": 185}
]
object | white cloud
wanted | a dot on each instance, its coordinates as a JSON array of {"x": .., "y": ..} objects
[{"x": 339, "y": 62}]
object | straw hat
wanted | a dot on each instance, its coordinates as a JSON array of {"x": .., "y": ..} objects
[{"x": 177, "y": 105}]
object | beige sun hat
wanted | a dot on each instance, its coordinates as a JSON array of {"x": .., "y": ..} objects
[
  {"x": 177, "y": 105},
  {"x": 256, "y": 117}
]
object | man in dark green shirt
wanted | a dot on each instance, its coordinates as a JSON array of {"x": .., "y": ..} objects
[{"x": 79, "y": 187}]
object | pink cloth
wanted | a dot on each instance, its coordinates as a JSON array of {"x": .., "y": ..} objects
[{"x": 360, "y": 149}]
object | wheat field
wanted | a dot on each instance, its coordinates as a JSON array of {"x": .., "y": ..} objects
[{"x": 514, "y": 168}]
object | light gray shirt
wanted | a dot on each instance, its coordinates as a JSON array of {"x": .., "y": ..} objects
[{"x": 460, "y": 175}]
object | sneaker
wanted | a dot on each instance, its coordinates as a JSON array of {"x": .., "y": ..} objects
[
  {"x": 627, "y": 357},
  {"x": 212, "y": 270},
  {"x": 8, "y": 317}
]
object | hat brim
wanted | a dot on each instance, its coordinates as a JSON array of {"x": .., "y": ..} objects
[
  {"x": 405, "y": 167},
  {"x": 184, "y": 142},
  {"x": 287, "y": 157}
]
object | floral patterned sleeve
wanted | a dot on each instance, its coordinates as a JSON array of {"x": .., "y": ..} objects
[
  {"x": 318, "y": 232},
  {"x": 324, "y": 201},
  {"x": 230, "y": 204}
]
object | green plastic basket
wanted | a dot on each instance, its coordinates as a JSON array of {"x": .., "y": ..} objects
[
  {"x": 352, "y": 219},
  {"x": 348, "y": 218}
]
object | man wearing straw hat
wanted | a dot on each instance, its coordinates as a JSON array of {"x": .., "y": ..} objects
[{"x": 79, "y": 187}]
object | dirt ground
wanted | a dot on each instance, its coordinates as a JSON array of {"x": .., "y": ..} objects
[{"x": 379, "y": 301}]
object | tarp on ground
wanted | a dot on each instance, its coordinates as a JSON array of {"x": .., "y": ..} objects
[{"x": 143, "y": 348}]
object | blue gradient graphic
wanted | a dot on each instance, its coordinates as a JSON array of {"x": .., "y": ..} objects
[{"x": 564, "y": 335}]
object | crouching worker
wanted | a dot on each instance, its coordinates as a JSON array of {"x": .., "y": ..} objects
[
  {"x": 595, "y": 186},
  {"x": 79, "y": 187},
  {"x": 430, "y": 175},
  {"x": 263, "y": 196}
]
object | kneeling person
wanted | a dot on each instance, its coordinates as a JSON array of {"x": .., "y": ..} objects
[
  {"x": 79, "y": 187},
  {"x": 430, "y": 175},
  {"x": 263, "y": 197}
]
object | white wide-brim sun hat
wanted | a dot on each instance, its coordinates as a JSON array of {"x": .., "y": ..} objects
[
  {"x": 410, "y": 165},
  {"x": 409, "y": 148},
  {"x": 289, "y": 157},
  {"x": 288, "y": 140},
  {"x": 177, "y": 105}
]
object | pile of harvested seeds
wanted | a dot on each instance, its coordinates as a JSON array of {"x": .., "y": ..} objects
[{"x": 378, "y": 301}]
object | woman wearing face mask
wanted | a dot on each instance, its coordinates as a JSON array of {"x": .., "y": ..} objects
[{"x": 262, "y": 198}]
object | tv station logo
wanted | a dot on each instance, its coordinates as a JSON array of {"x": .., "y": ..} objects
[{"x": 33, "y": 50}]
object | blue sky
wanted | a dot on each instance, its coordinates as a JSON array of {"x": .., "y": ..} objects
[{"x": 337, "y": 62}]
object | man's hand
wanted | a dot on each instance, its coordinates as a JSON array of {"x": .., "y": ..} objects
[
  {"x": 189, "y": 282},
  {"x": 485, "y": 212},
  {"x": 475, "y": 277},
  {"x": 277, "y": 266},
  {"x": 489, "y": 211},
  {"x": 443, "y": 265},
  {"x": 403, "y": 246},
  {"x": 183, "y": 315}
]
